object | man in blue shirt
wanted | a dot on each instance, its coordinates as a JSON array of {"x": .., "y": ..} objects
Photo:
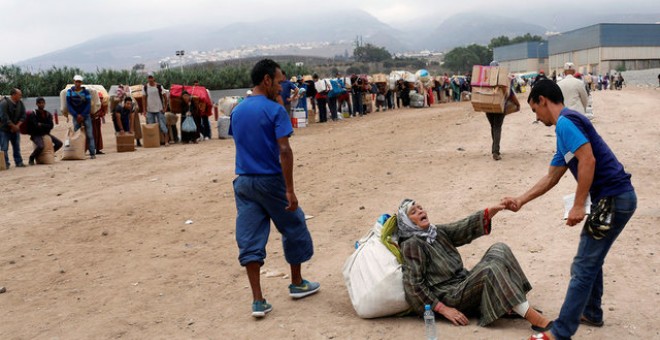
[
  {"x": 598, "y": 173},
  {"x": 264, "y": 189},
  {"x": 288, "y": 93},
  {"x": 79, "y": 104}
]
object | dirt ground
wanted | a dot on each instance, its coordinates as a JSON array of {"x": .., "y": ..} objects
[{"x": 100, "y": 249}]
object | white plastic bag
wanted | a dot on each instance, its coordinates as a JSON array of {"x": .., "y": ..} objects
[
  {"x": 374, "y": 278},
  {"x": 189, "y": 124}
]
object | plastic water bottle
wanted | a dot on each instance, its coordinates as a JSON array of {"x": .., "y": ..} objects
[{"x": 429, "y": 322}]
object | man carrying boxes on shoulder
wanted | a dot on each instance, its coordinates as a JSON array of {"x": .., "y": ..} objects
[{"x": 492, "y": 94}]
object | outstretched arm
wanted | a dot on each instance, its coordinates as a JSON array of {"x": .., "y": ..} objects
[{"x": 546, "y": 183}]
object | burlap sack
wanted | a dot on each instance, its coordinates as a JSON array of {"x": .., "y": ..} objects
[
  {"x": 151, "y": 135},
  {"x": 47, "y": 156},
  {"x": 74, "y": 149}
]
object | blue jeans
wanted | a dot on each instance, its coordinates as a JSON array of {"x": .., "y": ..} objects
[
  {"x": 206, "y": 126},
  {"x": 260, "y": 199},
  {"x": 586, "y": 286},
  {"x": 157, "y": 117},
  {"x": 88, "y": 132},
  {"x": 357, "y": 103},
  {"x": 15, "y": 139},
  {"x": 332, "y": 105}
]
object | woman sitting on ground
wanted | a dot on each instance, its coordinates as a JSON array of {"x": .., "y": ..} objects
[{"x": 433, "y": 271}]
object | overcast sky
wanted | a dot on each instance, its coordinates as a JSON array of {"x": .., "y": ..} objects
[{"x": 30, "y": 28}]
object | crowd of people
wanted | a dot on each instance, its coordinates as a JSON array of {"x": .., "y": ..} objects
[{"x": 433, "y": 271}]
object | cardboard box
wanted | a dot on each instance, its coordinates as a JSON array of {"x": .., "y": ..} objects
[
  {"x": 489, "y": 76},
  {"x": 489, "y": 99},
  {"x": 380, "y": 78},
  {"x": 126, "y": 142},
  {"x": 299, "y": 122}
]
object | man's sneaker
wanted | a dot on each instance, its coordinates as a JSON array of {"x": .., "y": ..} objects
[
  {"x": 31, "y": 160},
  {"x": 260, "y": 308},
  {"x": 304, "y": 289}
]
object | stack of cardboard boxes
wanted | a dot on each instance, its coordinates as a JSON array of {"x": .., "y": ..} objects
[{"x": 490, "y": 88}]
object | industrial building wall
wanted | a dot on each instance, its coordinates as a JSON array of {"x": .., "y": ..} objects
[
  {"x": 525, "y": 65},
  {"x": 605, "y": 59}
]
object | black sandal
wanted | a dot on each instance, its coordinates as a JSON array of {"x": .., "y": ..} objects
[
  {"x": 542, "y": 329},
  {"x": 586, "y": 321}
]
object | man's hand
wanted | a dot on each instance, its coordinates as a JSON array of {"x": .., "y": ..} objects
[
  {"x": 575, "y": 216},
  {"x": 452, "y": 314},
  {"x": 511, "y": 203},
  {"x": 293, "y": 201},
  {"x": 80, "y": 119},
  {"x": 14, "y": 128}
]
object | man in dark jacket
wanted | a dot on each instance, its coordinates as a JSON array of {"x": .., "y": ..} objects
[
  {"x": 12, "y": 116},
  {"x": 39, "y": 124}
]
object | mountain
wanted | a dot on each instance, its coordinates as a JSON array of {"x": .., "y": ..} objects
[
  {"x": 127, "y": 49},
  {"x": 337, "y": 31},
  {"x": 475, "y": 28}
]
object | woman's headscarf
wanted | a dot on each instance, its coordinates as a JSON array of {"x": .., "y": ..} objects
[{"x": 408, "y": 229}]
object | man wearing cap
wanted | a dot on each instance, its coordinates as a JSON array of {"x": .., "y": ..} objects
[
  {"x": 79, "y": 104},
  {"x": 575, "y": 95},
  {"x": 12, "y": 116},
  {"x": 154, "y": 105}
]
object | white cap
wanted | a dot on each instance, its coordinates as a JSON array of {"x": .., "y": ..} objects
[
  {"x": 569, "y": 66},
  {"x": 77, "y": 77}
]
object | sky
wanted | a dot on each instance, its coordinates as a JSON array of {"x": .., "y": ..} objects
[{"x": 30, "y": 28}]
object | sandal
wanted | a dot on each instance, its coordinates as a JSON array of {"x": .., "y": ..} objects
[
  {"x": 586, "y": 321},
  {"x": 542, "y": 329}
]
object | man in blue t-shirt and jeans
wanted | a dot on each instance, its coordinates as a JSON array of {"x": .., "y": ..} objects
[
  {"x": 599, "y": 174},
  {"x": 264, "y": 187}
]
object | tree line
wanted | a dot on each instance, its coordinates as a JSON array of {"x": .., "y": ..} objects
[{"x": 51, "y": 81}]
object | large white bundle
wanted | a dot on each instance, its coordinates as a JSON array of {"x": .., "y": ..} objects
[
  {"x": 416, "y": 100},
  {"x": 374, "y": 278},
  {"x": 409, "y": 77},
  {"x": 227, "y": 104},
  {"x": 223, "y": 127},
  {"x": 94, "y": 90}
]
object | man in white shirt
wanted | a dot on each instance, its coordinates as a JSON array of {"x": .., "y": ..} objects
[
  {"x": 154, "y": 104},
  {"x": 575, "y": 95}
]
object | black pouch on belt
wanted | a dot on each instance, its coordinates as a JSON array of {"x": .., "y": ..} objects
[{"x": 599, "y": 222}]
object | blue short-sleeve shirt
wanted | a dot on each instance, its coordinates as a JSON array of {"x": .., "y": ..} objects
[
  {"x": 569, "y": 139},
  {"x": 256, "y": 125},
  {"x": 574, "y": 130}
]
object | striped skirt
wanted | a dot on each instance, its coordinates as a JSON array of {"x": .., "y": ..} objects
[{"x": 492, "y": 288}]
